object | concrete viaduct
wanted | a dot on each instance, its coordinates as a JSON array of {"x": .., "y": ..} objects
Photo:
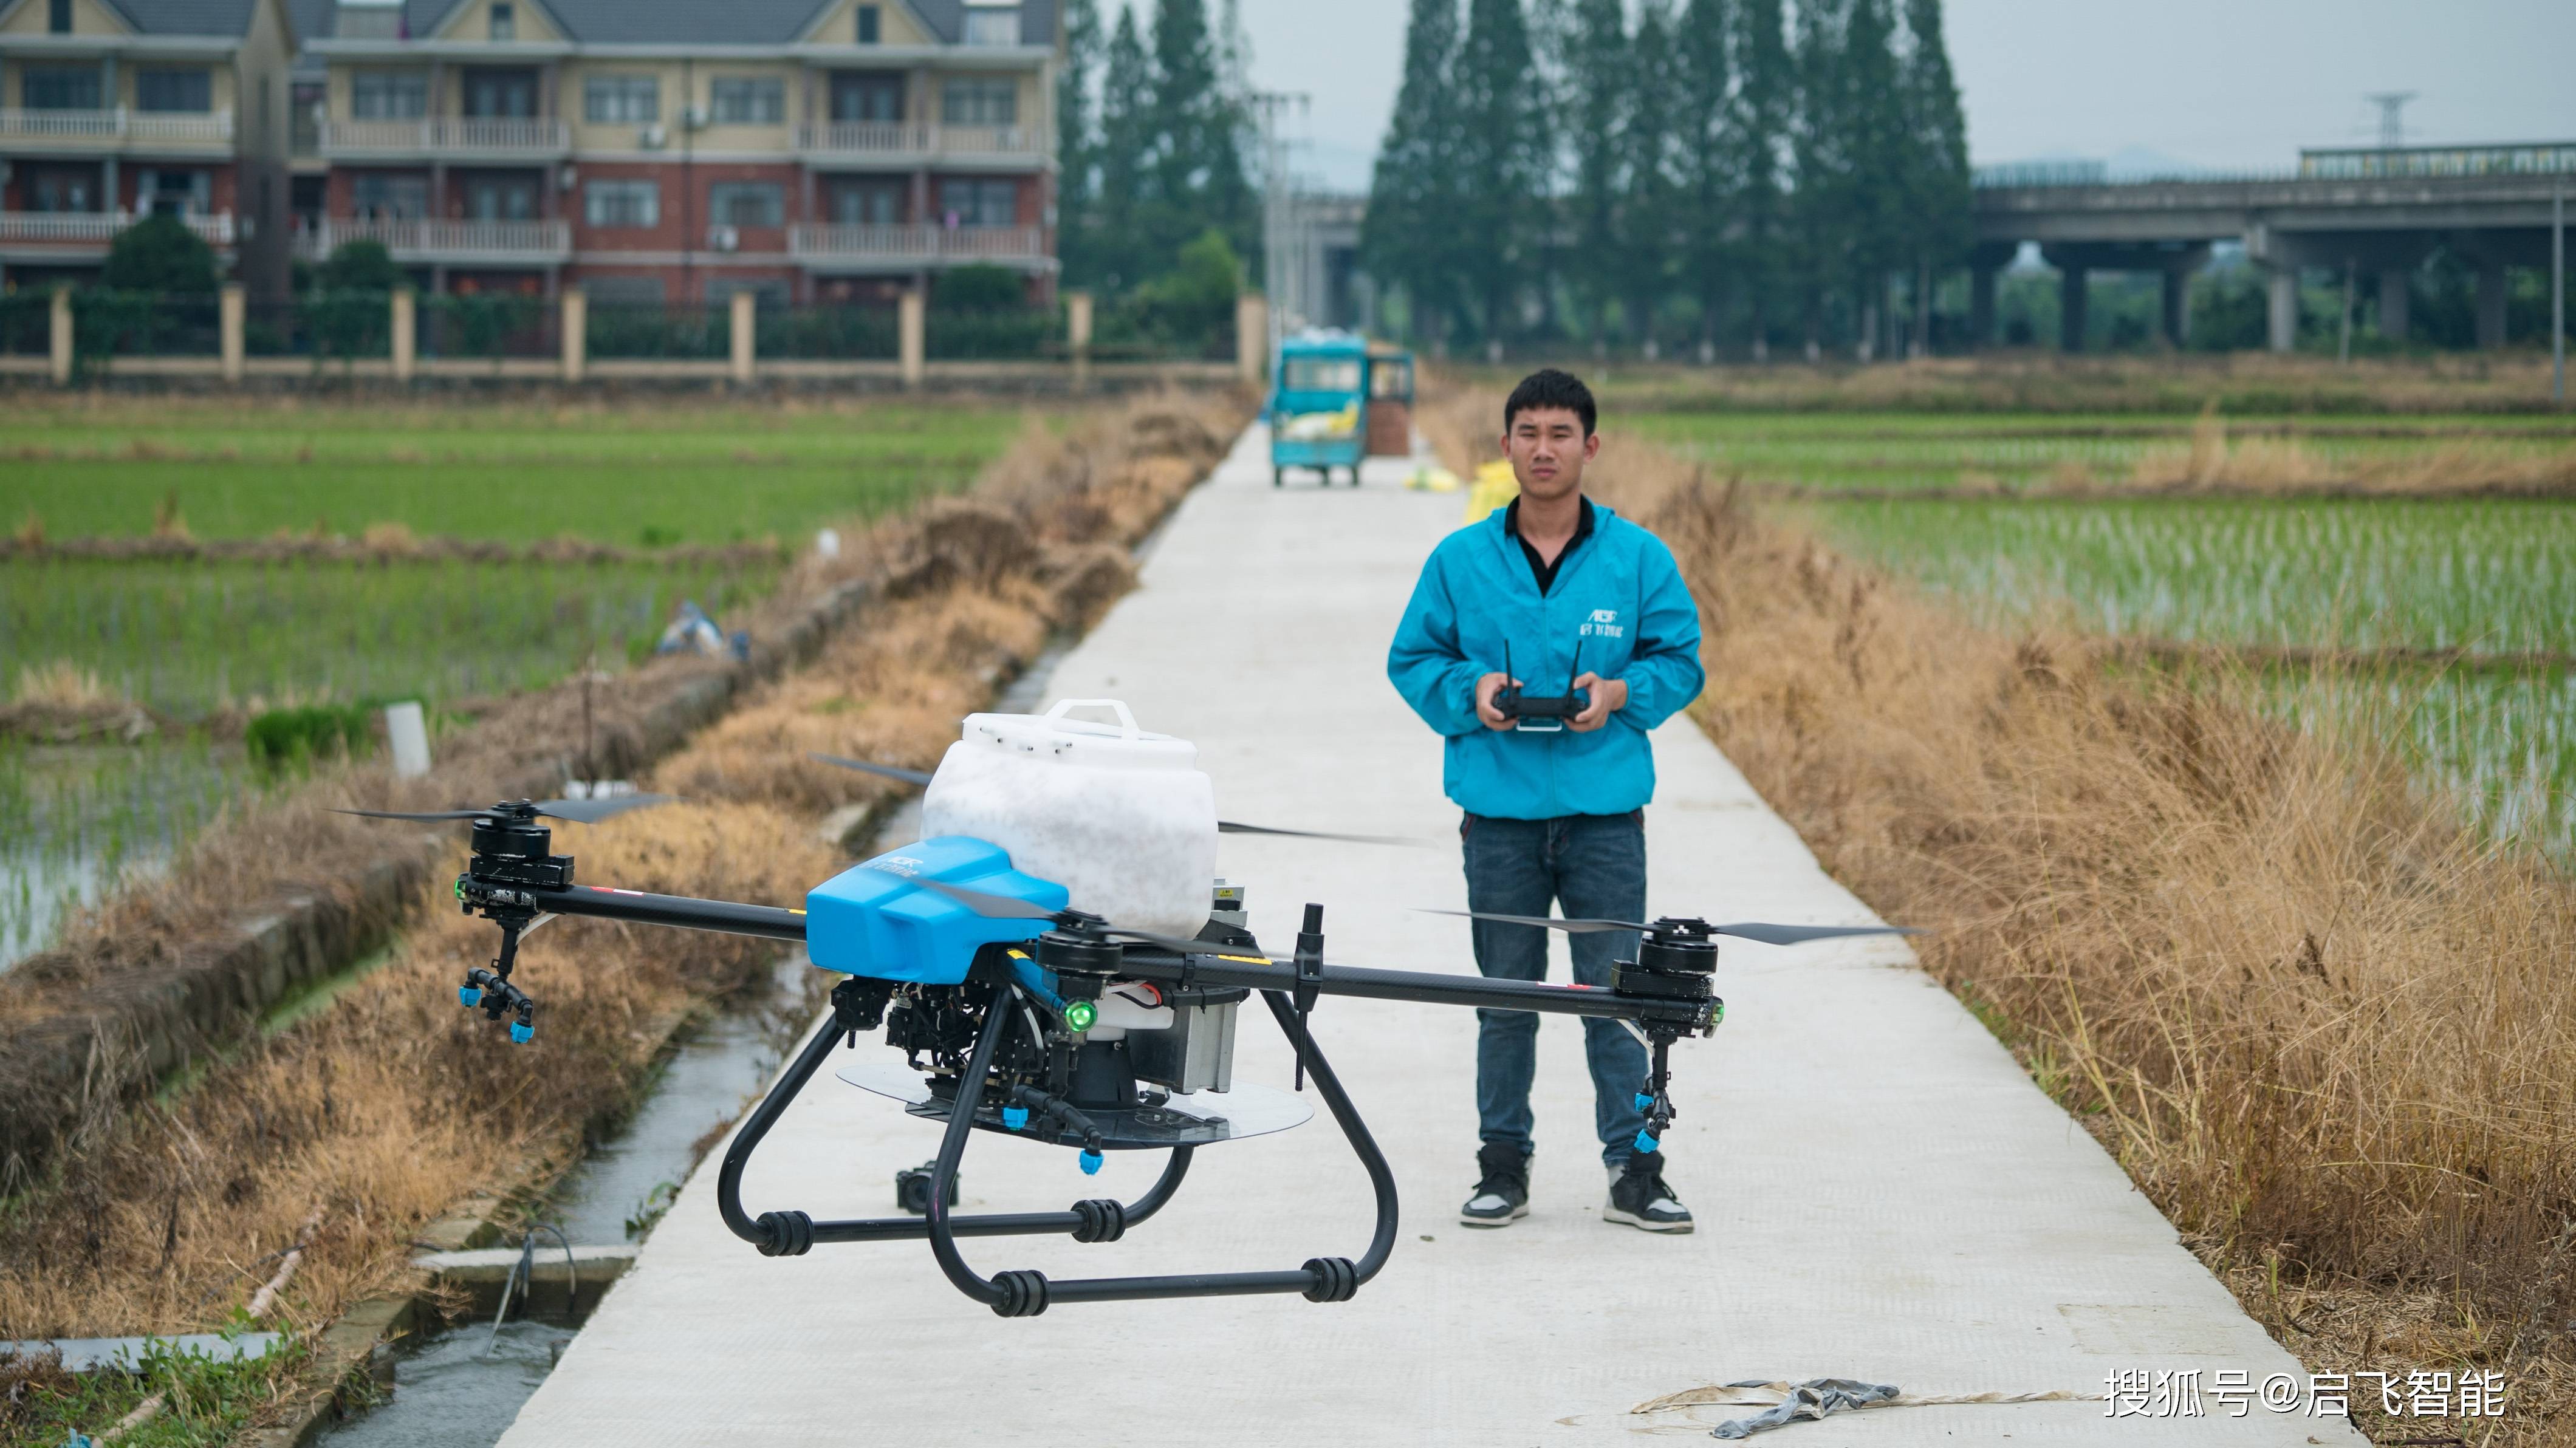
[{"x": 2388, "y": 223}]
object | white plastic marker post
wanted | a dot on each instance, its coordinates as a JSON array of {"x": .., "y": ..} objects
[
  {"x": 828, "y": 543},
  {"x": 407, "y": 733}
]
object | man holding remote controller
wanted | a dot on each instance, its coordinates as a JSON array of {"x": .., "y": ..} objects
[{"x": 1543, "y": 643}]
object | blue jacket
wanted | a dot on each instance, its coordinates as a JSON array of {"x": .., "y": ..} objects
[{"x": 1619, "y": 595}]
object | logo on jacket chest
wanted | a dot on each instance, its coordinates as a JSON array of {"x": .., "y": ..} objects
[{"x": 1604, "y": 623}]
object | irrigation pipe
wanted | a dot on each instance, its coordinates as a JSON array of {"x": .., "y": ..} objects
[
  {"x": 525, "y": 1268},
  {"x": 265, "y": 1299}
]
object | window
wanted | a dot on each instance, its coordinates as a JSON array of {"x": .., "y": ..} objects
[
  {"x": 993, "y": 25},
  {"x": 867, "y": 202},
  {"x": 159, "y": 192},
  {"x": 1321, "y": 374},
  {"x": 867, "y": 95},
  {"x": 980, "y": 101},
  {"x": 63, "y": 188},
  {"x": 388, "y": 95},
  {"x": 979, "y": 202},
  {"x": 389, "y": 197},
  {"x": 176, "y": 90},
  {"x": 58, "y": 17},
  {"x": 505, "y": 22},
  {"x": 501, "y": 198},
  {"x": 750, "y": 101},
  {"x": 60, "y": 87},
  {"x": 611, "y": 99},
  {"x": 622, "y": 203},
  {"x": 870, "y": 25},
  {"x": 747, "y": 203}
]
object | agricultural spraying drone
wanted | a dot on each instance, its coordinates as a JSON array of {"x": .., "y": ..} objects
[{"x": 1107, "y": 1026}]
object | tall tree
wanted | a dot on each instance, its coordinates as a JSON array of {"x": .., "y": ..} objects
[
  {"x": 1872, "y": 113},
  {"x": 1707, "y": 156},
  {"x": 1651, "y": 214},
  {"x": 1937, "y": 197},
  {"x": 1821, "y": 202},
  {"x": 1077, "y": 144},
  {"x": 1591, "y": 102},
  {"x": 1198, "y": 177},
  {"x": 1408, "y": 237},
  {"x": 1765, "y": 97},
  {"x": 1502, "y": 162},
  {"x": 1127, "y": 143}
]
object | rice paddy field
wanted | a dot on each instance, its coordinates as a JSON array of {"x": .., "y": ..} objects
[
  {"x": 2408, "y": 578},
  {"x": 201, "y": 644}
]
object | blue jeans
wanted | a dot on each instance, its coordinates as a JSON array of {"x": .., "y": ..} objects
[{"x": 1596, "y": 866}]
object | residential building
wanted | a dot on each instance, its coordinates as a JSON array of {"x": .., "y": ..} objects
[
  {"x": 111, "y": 110},
  {"x": 678, "y": 151}
]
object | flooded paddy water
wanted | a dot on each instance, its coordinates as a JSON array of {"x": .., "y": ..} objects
[{"x": 75, "y": 819}]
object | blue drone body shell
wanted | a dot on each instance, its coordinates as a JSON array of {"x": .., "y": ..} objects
[{"x": 873, "y": 920}]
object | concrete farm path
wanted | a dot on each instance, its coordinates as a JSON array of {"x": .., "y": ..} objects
[{"x": 1882, "y": 1193}]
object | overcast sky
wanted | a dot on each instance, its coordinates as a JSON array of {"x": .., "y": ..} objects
[{"x": 2220, "y": 83}]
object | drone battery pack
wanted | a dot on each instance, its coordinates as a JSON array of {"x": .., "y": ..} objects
[
  {"x": 872, "y": 920},
  {"x": 1122, "y": 818},
  {"x": 1196, "y": 1052}
]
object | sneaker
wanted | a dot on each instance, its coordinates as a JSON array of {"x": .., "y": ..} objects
[
  {"x": 1502, "y": 1196},
  {"x": 1640, "y": 1197}
]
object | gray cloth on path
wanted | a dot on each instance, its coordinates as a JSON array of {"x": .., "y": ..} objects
[{"x": 1813, "y": 1398}]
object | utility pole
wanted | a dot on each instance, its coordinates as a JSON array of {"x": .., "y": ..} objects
[
  {"x": 2392, "y": 120},
  {"x": 1284, "y": 233}
]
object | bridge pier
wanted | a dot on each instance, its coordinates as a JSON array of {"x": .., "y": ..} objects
[
  {"x": 1985, "y": 263},
  {"x": 2281, "y": 281},
  {"x": 2392, "y": 301},
  {"x": 2490, "y": 303},
  {"x": 2072, "y": 293}
]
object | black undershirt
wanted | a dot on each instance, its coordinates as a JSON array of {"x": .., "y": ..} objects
[{"x": 1542, "y": 569}]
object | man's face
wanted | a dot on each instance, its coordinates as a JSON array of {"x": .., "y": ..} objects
[{"x": 1548, "y": 448}]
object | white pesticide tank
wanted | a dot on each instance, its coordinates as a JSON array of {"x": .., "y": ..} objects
[{"x": 1122, "y": 818}]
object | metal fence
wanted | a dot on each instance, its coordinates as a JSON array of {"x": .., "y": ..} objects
[
  {"x": 688, "y": 332},
  {"x": 819, "y": 334}
]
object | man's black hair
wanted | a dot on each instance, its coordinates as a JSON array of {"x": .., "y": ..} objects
[{"x": 1549, "y": 387}]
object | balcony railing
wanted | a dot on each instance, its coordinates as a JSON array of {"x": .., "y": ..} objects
[
  {"x": 425, "y": 135},
  {"x": 97, "y": 228},
  {"x": 820, "y": 242},
  {"x": 119, "y": 125},
  {"x": 906, "y": 138},
  {"x": 422, "y": 239}
]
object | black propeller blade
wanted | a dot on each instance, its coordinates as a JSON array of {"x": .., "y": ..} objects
[
  {"x": 1754, "y": 930},
  {"x": 578, "y": 811},
  {"x": 1223, "y": 827}
]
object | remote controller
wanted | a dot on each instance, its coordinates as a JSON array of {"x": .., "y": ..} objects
[{"x": 1539, "y": 715}]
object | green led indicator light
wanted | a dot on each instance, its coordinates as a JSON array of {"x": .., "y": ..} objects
[
  {"x": 1078, "y": 1015},
  {"x": 460, "y": 887}
]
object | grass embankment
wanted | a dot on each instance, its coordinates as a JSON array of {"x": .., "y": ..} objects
[
  {"x": 393, "y": 1102},
  {"x": 2325, "y": 1026},
  {"x": 2241, "y": 384}
]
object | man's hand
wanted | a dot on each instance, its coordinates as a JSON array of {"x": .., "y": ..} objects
[
  {"x": 1602, "y": 698},
  {"x": 1485, "y": 690}
]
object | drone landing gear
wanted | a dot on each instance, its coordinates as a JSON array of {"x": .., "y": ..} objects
[{"x": 1028, "y": 1293}]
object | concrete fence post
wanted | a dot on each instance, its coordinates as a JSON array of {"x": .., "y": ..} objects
[
  {"x": 743, "y": 302},
  {"x": 912, "y": 343},
  {"x": 406, "y": 307},
  {"x": 1077, "y": 334},
  {"x": 61, "y": 336},
  {"x": 1251, "y": 336},
  {"x": 576, "y": 332},
  {"x": 230, "y": 312}
]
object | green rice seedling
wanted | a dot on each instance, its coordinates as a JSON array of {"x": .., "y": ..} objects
[
  {"x": 76, "y": 819},
  {"x": 188, "y": 637}
]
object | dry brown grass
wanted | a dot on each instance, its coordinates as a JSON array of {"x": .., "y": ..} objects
[
  {"x": 2330, "y": 1032},
  {"x": 63, "y": 684},
  {"x": 391, "y": 1103},
  {"x": 2213, "y": 462}
]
